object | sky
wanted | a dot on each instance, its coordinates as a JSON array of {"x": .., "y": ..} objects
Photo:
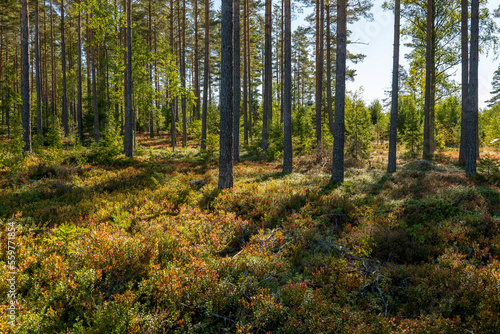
[
  {"x": 374, "y": 74},
  {"x": 375, "y": 37}
]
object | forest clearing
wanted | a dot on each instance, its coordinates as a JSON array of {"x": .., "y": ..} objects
[{"x": 190, "y": 166}]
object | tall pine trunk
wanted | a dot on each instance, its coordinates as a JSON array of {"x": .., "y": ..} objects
[
  {"x": 39, "y": 129},
  {"x": 183, "y": 74},
  {"x": 80, "y": 109},
  {"x": 465, "y": 82},
  {"x": 391, "y": 167},
  {"x": 245, "y": 73},
  {"x": 52, "y": 43},
  {"x": 236, "y": 81},
  {"x": 196, "y": 85},
  {"x": 339, "y": 128},
  {"x": 226, "y": 98},
  {"x": 129, "y": 113},
  {"x": 268, "y": 83},
  {"x": 25, "y": 86},
  {"x": 64, "y": 84},
  {"x": 329, "y": 70},
  {"x": 429, "y": 141},
  {"x": 172, "y": 104},
  {"x": 94, "y": 86},
  {"x": 471, "y": 139},
  {"x": 287, "y": 91},
  {"x": 319, "y": 67},
  {"x": 206, "y": 72}
]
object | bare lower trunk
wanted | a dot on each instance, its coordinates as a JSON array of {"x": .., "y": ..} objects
[
  {"x": 391, "y": 167},
  {"x": 339, "y": 128},
  {"x": 226, "y": 98}
]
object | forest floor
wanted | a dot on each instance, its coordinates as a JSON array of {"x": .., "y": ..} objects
[{"x": 149, "y": 245}]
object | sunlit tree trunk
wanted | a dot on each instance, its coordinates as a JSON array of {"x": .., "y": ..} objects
[
  {"x": 268, "y": 83},
  {"x": 391, "y": 167},
  {"x": 429, "y": 141},
  {"x": 39, "y": 129},
  {"x": 206, "y": 73},
  {"x": 465, "y": 82},
  {"x": 470, "y": 164},
  {"x": 129, "y": 113},
  {"x": 25, "y": 86},
  {"x": 339, "y": 127},
  {"x": 64, "y": 83},
  {"x": 226, "y": 98},
  {"x": 287, "y": 92},
  {"x": 236, "y": 81}
]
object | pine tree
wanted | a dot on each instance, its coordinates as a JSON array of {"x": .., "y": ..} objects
[{"x": 495, "y": 99}]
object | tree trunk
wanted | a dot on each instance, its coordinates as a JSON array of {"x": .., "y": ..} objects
[
  {"x": 236, "y": 81},
  {"x": 245, "y": 73},
  {"x": 465, "y": 82},
  {"x": 150, "y": 66},
  {"x": 226, "y": 98},
  {"x": 329, "y": 71},
  {"x": 250, "y": 114},
  {"x": 45, "y": 65},
  {"x": 429, "y": 141},
  {"x": 287, "y": 92},
  {"x": 183, "y": 75},
  {"x": 268, "y": 83},
  {"x": 25, "y": 87},
  {"x": 94, "y": 87},
  {"x": 172, "y": 104},
  {"x": 391, "y": 167},
  {"x": 80, "y": 109},
  {"x": 339, "y": 128},
  {"x": 196, "y": 85},
  {"x": 319, "y": 67},
  {"x": 64, "y": 84},
  {"x": 39, "y": 129},
  {"x": 470, "y": 165},
  {"x": 129, "y": 113},
  {"x": 52, "y": 43},
  {"x": 206, "y": 66}
]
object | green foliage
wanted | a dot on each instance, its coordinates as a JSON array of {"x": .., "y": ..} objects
[
  {"x": 489, "y": 124},
  {"x": 413, "y": 129},
  {"x": 136, "y": 248},
  {"x": 448, "y": 122},
  {"x": 11, "y": 151},
  {"x": 358, "y": 128},
  {"x": 110, "y": 145}
]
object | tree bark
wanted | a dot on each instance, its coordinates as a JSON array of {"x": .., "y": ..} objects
[
  {"x": 391, "y": 167},
  {"x": 268, "y": 83},
  {"x": 245, "y": 73},
  {"x": 80, "y": 109},
  {"x": 25, "y": 87},
  {"x": 287, "y": 92},
  {"x": 226, "y": 98},
  {"x": 465, "y": 82},
  {"x": 470, "y": 165},
  {"x": 129, "y": 113},
  {"x": 319, "y": 67},
  {"x": 64, "y": 84},
  {"x": 94, "y": 86},
  {"x": 183, "y": 75},
  {"x": 196, "y": 86},
  {"x": 39, "y": 128},
  {"x": 339, "y": 128},
  {"x": 206, "y": 67},
  {"x": 329, "y": 71},
  {"x": 54, "y": 85},
  {"x": 236, "y": 81},
  {"x": 429, "y": 141},
  {"x": 172, "y": 104}
]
